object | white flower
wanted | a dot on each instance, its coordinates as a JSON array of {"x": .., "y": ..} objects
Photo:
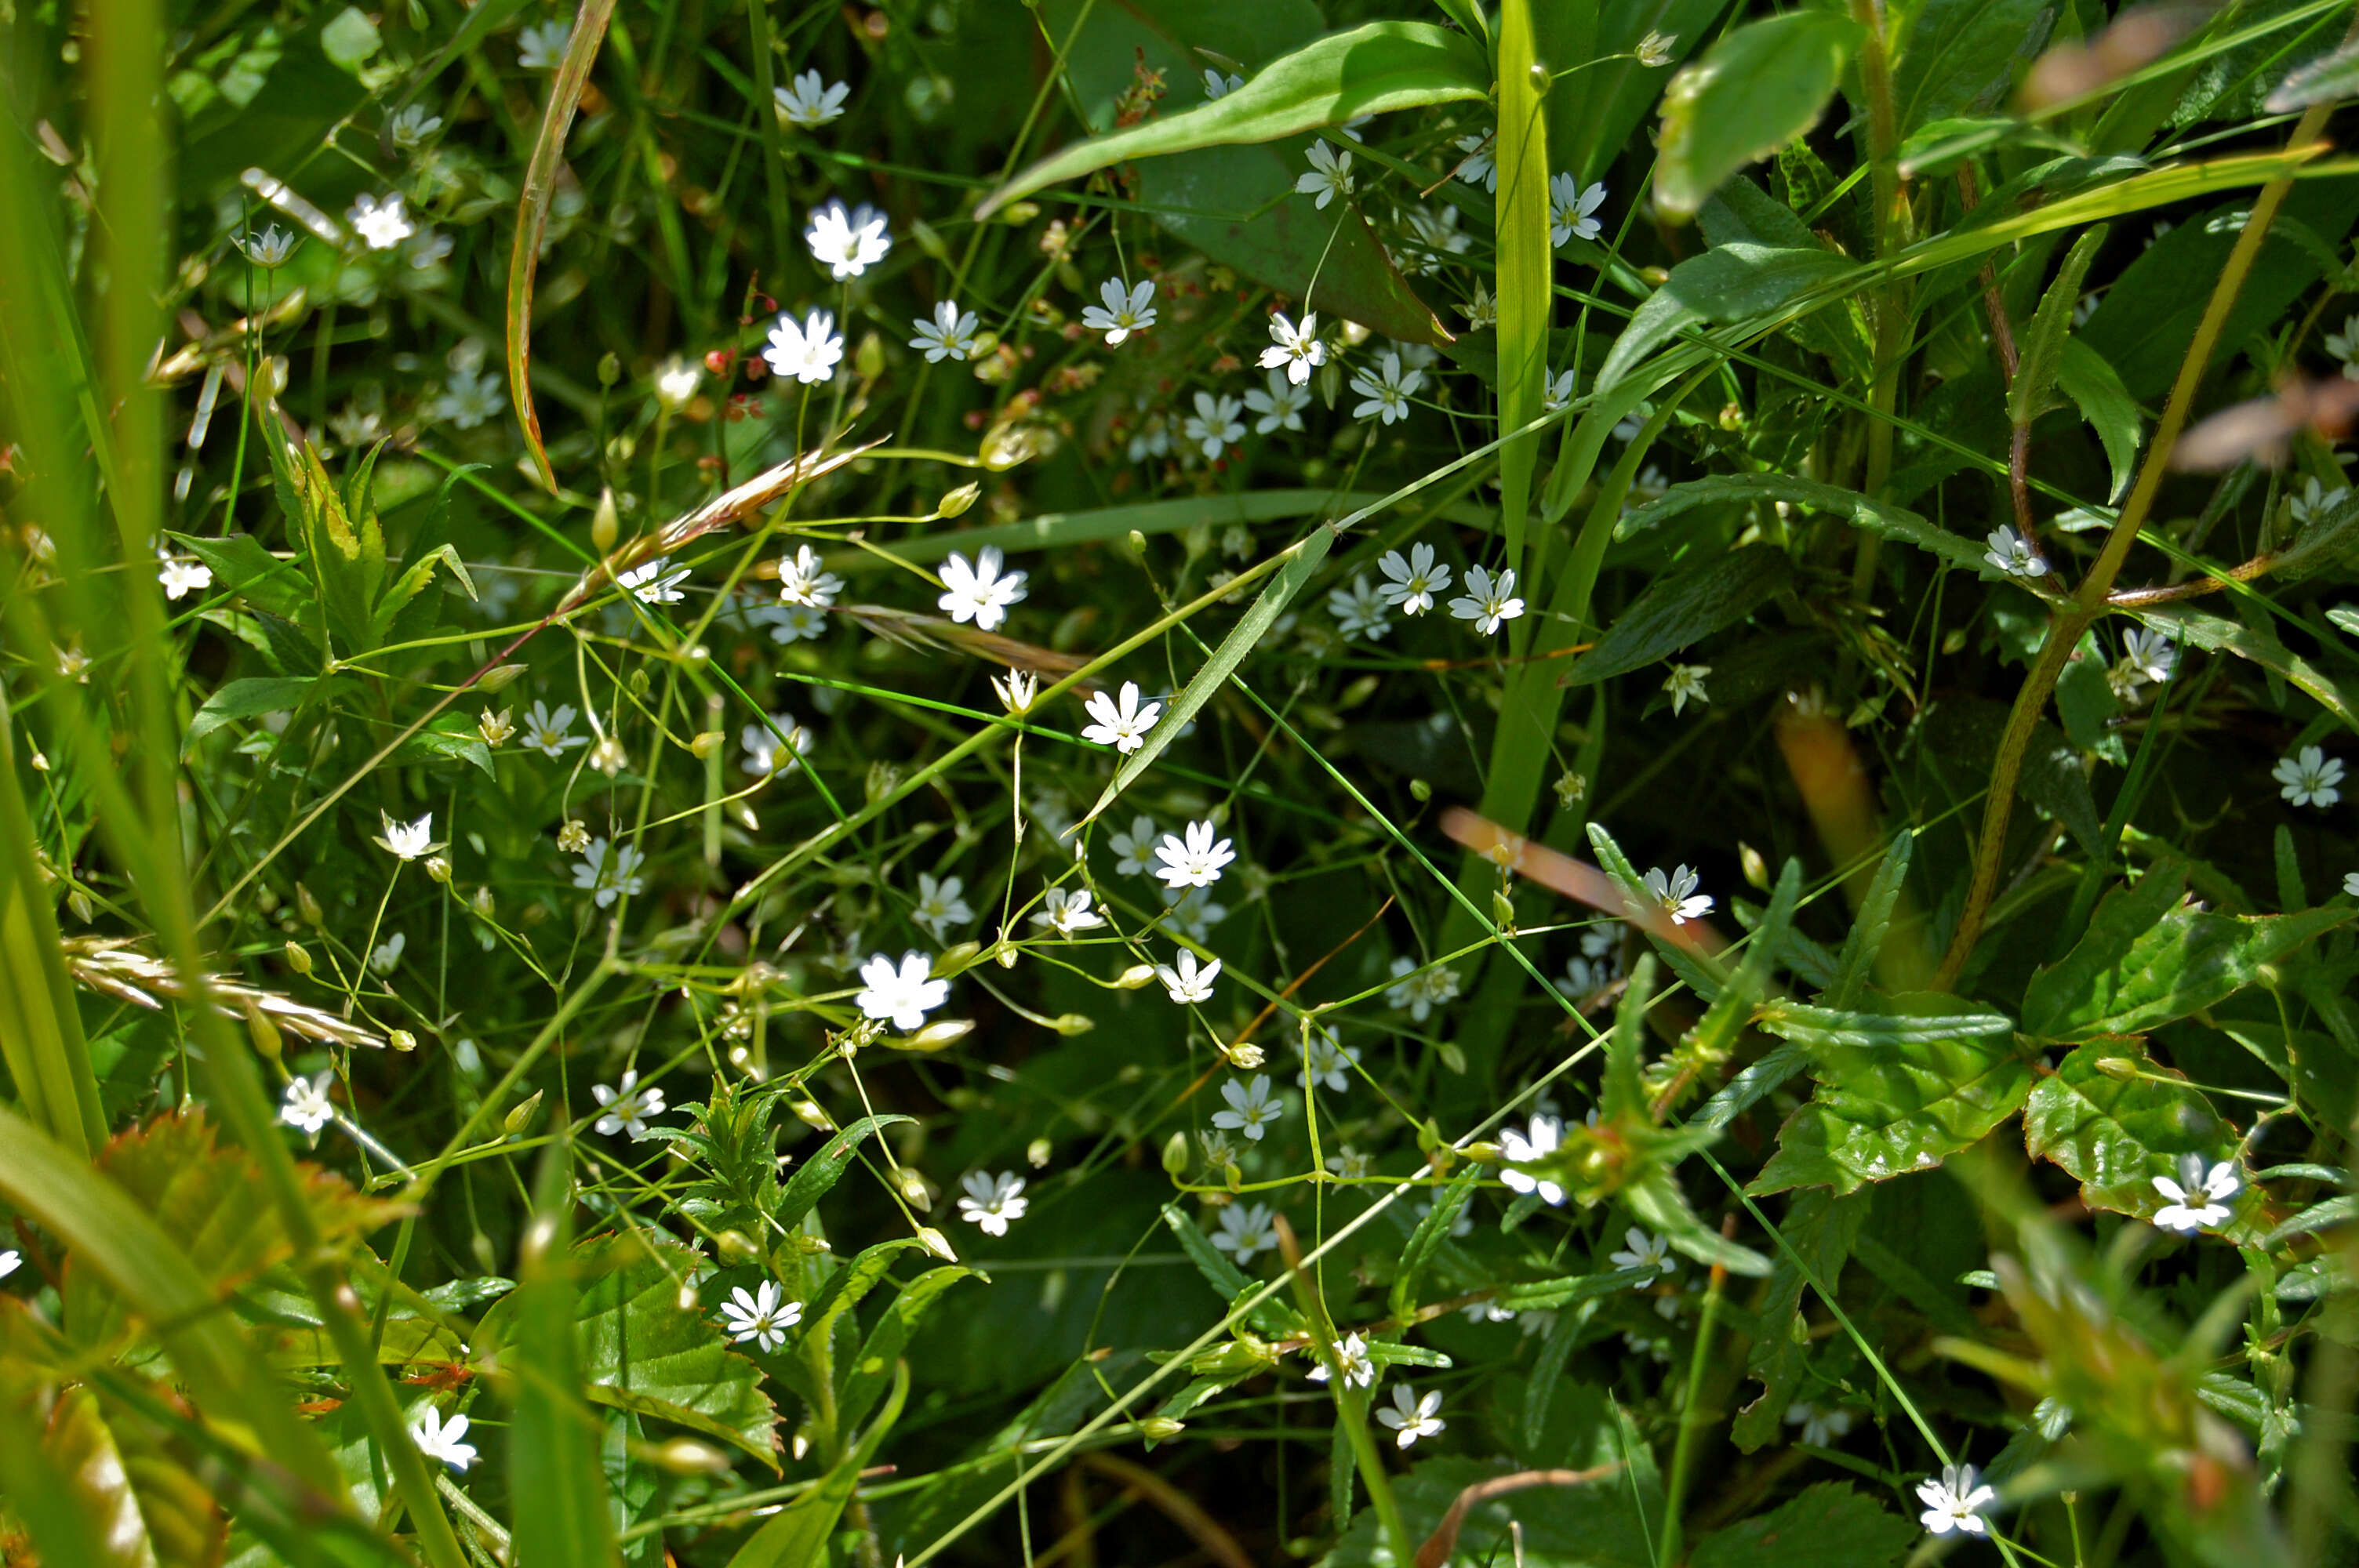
[
  {"x": 939, "y": 905},
  {"x": 2344, "y": 347},
  {"x": 10, "y": 1261},
  {"x": 1685, "y": 682},
  {"x": 1676, "y": 893},
  {"x": 992, "y": 1201},
  {"x": 1018, "y": 692},
  {"x": 2199, "y": 1199},
  {"x": 1385, "y": 396},
  {"x": 1295, "y": 350},
  {"x": 2350, "y": 885},
  {"x": 1559, "y": 392},
  {"x": 1413, "y": 1417},
  {"x": 1281, "y": 406},
  {"x": 1438, "y": 236},
  {"x": 675, "y": 384},
  {"x": 1121, "y": 724},
  {"x": 1523, "y": 1149},
  {"x": 413, "y": 126},
  {"x": 1247, "y": 1229},
  {"x": 981, "y": 592},
  {"x": 1421, "y": 990},
  {"x": 1193, "y": 913},
  {"x": 1476, "y": 167},
  {"x": 1489, "y": 603},
  {"x": 2012, "y": 554},
  {"x": 901, "y": 997},
  {"x": 1953, "y": 1501},
  {"x": 1067, "y": 911},
  {"x": 1250, "y": 1107},
  {"x": 2316, "y": 501},
  {"x": 1360, "y": 611},
  {"x": 762, "y": 1317},
  {"x": 1214, "y": 423},
  {"x": 1219, "y": 86},
  {"x": 1188, "y": 983},
  {"x": 1125, "y": 310},
  {"x": 810, "y": 102},
  {"x": 468, "y": 399},
  {"x": 180, "y": 574},
  {"x": 1352, "y": 1356},
  {"x": 1195, "y": 863},
  {"x": 1481, "y": 311},
  {"x": 269, "y": 248},
  {"x": 407, "y": 840},
  {"x": 1819, "y": 1428},
  {"x": 440, "y": 1440},
  {"x": 1654, "y": 53},
  {"x": 543, "y": 47},
  {"x": 608, "y": 756},
  {"x": 802, "y": 580},
  {"x": 427, "y": 250},
  {"x": 650, "y": 584},
  {"x": 1642, "y": 1250},
  {"x": 1152, "y": 440},
  {"x": 1569, "y": 208},
  {"x": 2309, "y": 778},
  {"x": 1329, "y": 175},
  {"x": 1350, "y": 1164},
  {"x": 627, "y": 1107},
  {"x": 950, "y": 335},
  {"x": 550, "y": 733},
  {"x": 1626, "y": 430},
  {"x": 808, "y": 353},
  {"x": 1327, "y": 1061},
  {"x": 847, "y": 243},
  {"x": 386, "y": 955},
  {"x": 1415, "y": 583},
  {"x": 307, "y": 1108},
  {"x": 380, "y": 224},
  {"x": 768, "y": 753},
  {"x": 2149, "y": 654},
  {"x": 608, "y": 882},
  {"x": 1134, "y": 848}
]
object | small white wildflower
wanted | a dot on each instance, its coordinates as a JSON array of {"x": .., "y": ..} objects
[
  {"x": 775, "y": 748},
  {"x": 1642, "y": 1250},
  {"x": 1360, "y": 611},
  {"x": 902, "y": 996},
  {"x": 675, "y": 384},
  {"x": 386, "y": 957},
  {"x": 1217, "y": 85},
  {"x": 847, "y": 243},
  {"x": 1018, "y": 692},
  {"x": 2344, "y": 347},
  {"x": 1353, "y": 1359},
  {"x": 1195, "y": 862},
  {"x": 802, "y": 580},
  {"x": 1187, "y": 983},
  {"x": 981, "y": 592},
  {"x": 1819, "y": 1428},
  {"x": 1685, "y": 683},
  {"x": 1247, "y": 1229},
  {"x": 1489, "y": 603},
  {"x": 550, "y": 733},
  {"x": 809, "y": 100},
  {"x": 1067, "y": 911},
  {"x": 1654, "y": 49},
  {"x": 543, "y": 48},
  {"x": 1476, "y": 167},
  {"x": 1569, "y": 208},
  {"x": 1953, "y": 1500},
  {"x": 407, "y": 841},
  {"x": 762, "y": 1318},
  {"x": 1527, "y": 1148},
  {"x": 1415, "y": 583},
  {"x": 2149, "y": 654},
  {"x": 1251, "y": 1108},
  {"x": 1676, "y": 895},
  {"x": 1329, "y": 175},
  {"x": 2309, "y": 778},
  {"x": 1295, "y": 350},
  {"x": 1413, "y": 1417},
  {"x": 180, "y": 574},
  {"x": 413, "y": 126},
  {"x": 1192, "y": 912},
  {"x": 1328, "y": 1062},
  {"x": 269, "y": 248},
  {"x": 1386, "y": 395},
  {"x": 992, "y": 1201},
  {"x": 1281, "y": 406},
  {"x": 1125, "y": 310},
  {"x": 2012, "y": 554},
  {"x": 941, "y": 909},
  {"x": 307, "y": 1108},
  {"x": 949, "y": 335},
  {"x": 442, "y": 1441},
  {"x": 1121, "y": 723},
  {"x": 380, "y": 224},
  {"x": 1134, "y": 847},
  {"x": 2316, "y": 501},
  {"x": 607, "y": 880},
  {"x": 650, "y": 584},
  {"x": 808, "y": 352},
  {"x": 1558, "y": 394},
  {"x": 2199, "y": 1199},
  {"x": 1214, "y": 423},
  {"x": 627, "y": 1106}
]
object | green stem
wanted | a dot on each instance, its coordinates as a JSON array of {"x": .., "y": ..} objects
[
  {"x": 1682, "y": 1450},
  {"x": 766, "y": 114}
]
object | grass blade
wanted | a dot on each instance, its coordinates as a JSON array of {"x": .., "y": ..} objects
[
  {"x": 562, "y": 1516},
  {"x": 1524, "y": 268}
]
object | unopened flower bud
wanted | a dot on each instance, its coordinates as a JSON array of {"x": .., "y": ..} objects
[
  {"x": 1036, "y": 1153},
  {"x": 307, "y": 906},
  {"x": 402, "y": 1040},
  {"x": 1757, "y": 870},
  {"x": 605, "y": 524},
  {"x": 1071, "y": 1023},
  {"x": 706, "y": 742},
  {"x": 809, "y": 1113},
  {"x": 937, "y": 1244},
  {"x": 610, "y": 369},
  {"x": 79, "y": 901},
  {"x": 685, "y": 1456},
  {"x": 1243, "y": 1054},
  {"x": 1136, "y": 975},
  {"x": 736, "y": 1245},
  {"x": 519, "y": 1120},
  {"x": 437, "y": 867},
  {"x": 2119, "y": 1067},
  {"x": 499, "y": 679},
  {"x": 1161, "y": 1428},
  {"x": 1175, "y": 1155},
  {"x": 573, "y": 838},
  {"x": 262, "y": 1032},
  {"x": 298, "y": 958},
  {"x": 957, "y": 501},
  {"x": 913, "y": 1186},
  {"x": 957, "y": 955},
  {"x": 942, "y": 1033},
  {"x": 686, "y": 1299}
]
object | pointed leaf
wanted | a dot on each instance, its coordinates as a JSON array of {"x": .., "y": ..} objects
[
  {"x": 150, "y": 1511},
  {"x": 822, "y": 1171},
  {"x": 1822, "y": 1227},
  {"x": 2115, "y": 1135},
  {"x": 562, "y": 1516},
  {"x": 1683, "y": 608},
  {"x": 1761, "y": 86}
]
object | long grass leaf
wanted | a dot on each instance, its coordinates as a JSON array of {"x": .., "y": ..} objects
[
  {"x": 1525, "y": 294},
  {"x": 561, "y": 1519}
]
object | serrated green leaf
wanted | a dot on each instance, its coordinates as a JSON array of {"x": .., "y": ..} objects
[
  {"x": 1824, "y": 1028},
  {"x": 1864, "y": 944},
  {"x": 1430, "y": 1231},
  {"x": 2043, "y": 337},
  {"x": 242, "y": 566},
  {"x": 2216, "y": 634},
  {"x": 822, "y": 1171},
  {"x": 2115, "y": 1136},
  {"x": 1820, "y": 1227},
  {"x": 1682, "y": 609},
  {"x": 1828, "y": 1526},
  {"x": 1761, "y": 86},
  {"x": 1548, "y": 1295},
  {"x": 2095, "y": 387}
]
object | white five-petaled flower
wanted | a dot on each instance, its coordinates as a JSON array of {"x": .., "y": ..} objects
[
  {"x": 1192, "y": 912},
  {"x": 1251, "y": 1108},
  {"x": 1194, "y": 862},
  {"x": 1476, "y": 167},
  {"x": 802, "y": 580},
  {"x": 2309, "y": 777},
  {"x": 1187, "y": 983},
  {"x": 407, "y": 840},
  {"x": 939, "y": 905},
  {"x": 1819, "y": 1428},
  {"x": 1418, "y": 991},
  {"x": 1569, "y": 208},
  {"x": 1413, "y": 1417},
  {"x": 776, "y": 747},
  {"x": 607, "y": 880},
  {"x": 1685, "y": 682},
  {"x": 1217, "y": 85},
  {"x": 1018, "y": 692},
  {"x": 901, "y": 997},
  {"x": 950, "y": 335},
  {"x": 1953, "y": 1500},
  {"x": 650, "y": 584},
  {"x": 1386, "y": 394},
  {"x": 847, "y": 243},
  {"x": 1327, "y": 1061},
  {"x": 2199, "y": 1199},
  {"x": 1121, "y": 723},
  {"x": 550, "y": 733},
  {"x": 1352, "y": 1357},
  {"x": 2315, "y": 500},
  {"x": 543, "y": 48},
  {"x": 810, "y": 101},
  {"x": 1654, "y": 51},
  {"x": 1294, "y": 350},
  {"x": 2012, "y": 554},
  {"x": 1125, "y": 310},
  {"x": 1415, "y": 583},
  {"x": 1134, "y": 847},
  {"x": 180, "y": 574},
  {"x": 442, "y": 1440},
  {"x": 1065, "y": 910},
  {"x": 1524, "y": 1148},
  {"x": 1360, "y": 611},
  {"x": 2149, "y": 654},
  {"x": 1247, "y": 1229},
  {"x": 1488, "y": 602},
  {"x": 1214, "y": 423},
  {"x": 992, "y": 1201},
  {"x": 1676, "y": 895},
  {"x": 413, "y": 126},
  {"x": 627, "y": 1105},
  {"x": 469, "y": 398},
  {"x": 1329, "y": 175},
  {"x": 1281, "y": 406},
  {"x": 808, "y": 353},
  {"x": 1641, "y": 1250},
  {"x": 981, "y": 592},
  {"x": 269, "y": 248},
  {"x": 386, "y": 957},
  {"x": 762, "y": 1316},
  {"x": 307, "y": 1108},
  {"x": 380, "y": 224}
]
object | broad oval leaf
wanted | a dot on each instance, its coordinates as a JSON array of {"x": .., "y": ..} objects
[
  {"x": 2115, "y": 1135},
  {"x": 1367, "y": 70},
  {"x": 1737, "y": 283},
  {"x": 1752, "y": 92}
]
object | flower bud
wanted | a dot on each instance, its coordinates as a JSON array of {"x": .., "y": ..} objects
[
  {"x": 957, "y": 501},
  {"x": 307, "y": 906},
  {"x": 298, "y": 958},
  {"x": 1175, "y": 1155},
  {"x": 605, "y": 524},
  {"x": 685, "y": 1456},
  {"x": 519, "y": 1120},
  {"x": 942, "y": 1033},
  {"x": 937, "y": 1243},
  {"x": 1071, "y": 1023},
  {"x": 2118, "y": 1067},
  {"x": 1243, "y": 1054},
  {"x": 957, "y": 955},
  {"x": 1161, "y": 1428},
  {"x": 79, "y": 901},
  {"x": 499, "y": 679},
  {"x": 437, "y": 867},
  {"x": 402, "y": 1040},
  {"x": 1757, "y": 870},
  {"x": 1036, "y": 1153},
  {"x": 262, "y": 1032},
  {"x": 736, "y": 1247},
  {"x": 1134, "y": 977},
  {"x": 808, "y": 1112},
  {"x": 913, "y": 1186},
  {"x": 708, "y": 742},
  {"x": 610, "y": 369},
  {"x": 686, "y": 1298}
]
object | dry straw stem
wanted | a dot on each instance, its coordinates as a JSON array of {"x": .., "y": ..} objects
[
  {"x": 110, "y": 965},
  {"x": 1444, "y": 1539}
]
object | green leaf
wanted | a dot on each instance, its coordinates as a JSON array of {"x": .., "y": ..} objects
[
  {"x": 242, "y": 566},
  {"x": 1757, "y": 286},
  {"x": 2201, "y": 629},
  {"x": 448, "y": 737},
  {"x": 1828, "y": 1526},
  {"x": 1959, "y": 55},
  {"x": 245, "y": 699},
  {"x": 2095, "y": 387},
  {"x": 1548, "y": 1295},
  {"x": 871, "y": 1372},
  {"x": 1525, "y": 267},
  {"x": 1604, "y": 1523},
  {"x": 1820, "y": 1227},
  {"x": 151, "y": 1510},
  {"x": 1683, "y": 608},
  {"x": 414, "y": 581},
  {"x": 822, "y": 1171},
  {"x": 1660, "y": 1203},
  {"x": 796, "y": 1536},
  {"x": 2329, "y": 79},
  {"x": 1599, "y": 101},
  {"x": 1865, "y": 942},
  {"x": 350, "y": 38},
  {"x": 1226, "y": 1278},
  {"x": 2043, "y": 338},
  {"x": 1761, "y": 86},
  {"x": 1253, "y": 625},
  {"x": 1824, "y": 1028},
  {"x": 1368, "y": 70},
  {"x": 1430, "y": 1231},
  {"x": 2115, "y": 1136},
  {"x": 1764, "y": 489},
  {"x": 561, "y": 1516}
]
